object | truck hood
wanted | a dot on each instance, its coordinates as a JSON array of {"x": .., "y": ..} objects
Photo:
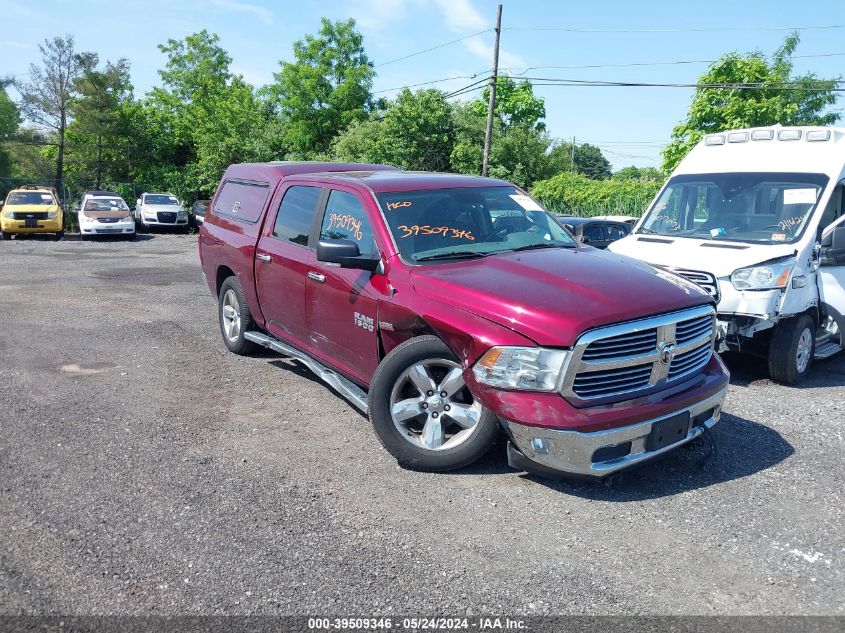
[
  {"x": 713, "y": 256},
  {"x": 553, "y": 295}
]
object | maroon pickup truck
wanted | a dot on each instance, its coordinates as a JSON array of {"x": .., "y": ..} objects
[{"x": 451, "y": 307}]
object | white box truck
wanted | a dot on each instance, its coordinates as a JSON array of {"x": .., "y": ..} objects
[{"x": 757, "y": 218}]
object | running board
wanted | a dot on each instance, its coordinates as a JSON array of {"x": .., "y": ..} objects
[
  {"x": 826, "y": 350},
  {"x": 346, "y": 388}
]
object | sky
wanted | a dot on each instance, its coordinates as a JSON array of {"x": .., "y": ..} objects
[{"x": 630, "y": 124}]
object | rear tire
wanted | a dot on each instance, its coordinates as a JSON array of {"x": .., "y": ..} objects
[
  {"x": 234, "y": 317},
  {"x": 7, "y": 236},
  {"x": 58, "y": 236},
  {"x": 791, "y": 350},
  {"x": 418, "y": 425}
]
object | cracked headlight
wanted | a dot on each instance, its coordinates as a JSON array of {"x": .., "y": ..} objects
[{"x": 525, "y": 368}]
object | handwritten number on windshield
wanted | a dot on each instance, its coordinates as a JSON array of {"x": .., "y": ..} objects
[{"x": 425, "y": 229}]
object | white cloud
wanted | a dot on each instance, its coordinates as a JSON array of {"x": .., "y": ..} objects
[
  {"x": 374, "y": 15},
  {"x": 484, "y": 51},
  {"x": 460, "y": 15},
  {"x": 234, "y": 6}
]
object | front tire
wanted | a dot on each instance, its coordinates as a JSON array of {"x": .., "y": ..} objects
[
  {"x": 234, "y": 317},
  {"x": 7, "y": 236},
  {"x": 422, "y": 411},
  {"x": 792, "y": 348}
]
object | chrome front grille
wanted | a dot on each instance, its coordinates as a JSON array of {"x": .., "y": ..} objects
[
  {"x": 620, "y": 361},
  {"x": 704, "y": 280}
]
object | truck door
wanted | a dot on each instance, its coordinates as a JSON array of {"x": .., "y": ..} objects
[
  {"x": 831, "y": 276},
  {"x": 341, "y": 303},
  {"x": 282, "y": 258}
]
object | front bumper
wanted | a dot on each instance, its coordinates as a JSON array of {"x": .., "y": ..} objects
[
  {"x": 19, "y": 226},
  {"x": 153, "y": 221},
  {"x": 574, "y": 434},
  {"x": 107, "y": 228},
  {"x": 553, "y": 452}
]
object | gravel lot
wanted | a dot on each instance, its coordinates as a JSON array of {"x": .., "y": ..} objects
[{"x": 144, "y": 469}]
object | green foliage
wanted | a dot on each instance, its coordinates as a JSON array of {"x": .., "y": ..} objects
[
  {"x": 578, "y": 195},
  {"x": 638, "y": 173},
  {"x": 99, "y": 133},
  {"x": 589, "y": 160},
  {"x": 516, "y": 105},
  {"x": 326, "y": 89},
  {"x": 416, "y": 131},
  {"x": 519, "y": 154},
  {"x": 9, "y": 120},
  {"x": 718, "y": 109},
  {"x": 202, "y": 119}
]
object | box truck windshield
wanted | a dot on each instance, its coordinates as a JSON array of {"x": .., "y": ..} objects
[{"x": 750, "y": 207}]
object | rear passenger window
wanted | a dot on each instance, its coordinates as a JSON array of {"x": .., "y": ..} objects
[
  {"x": 616, "y": 231},
  {"x": 296, "y": 214},
  {"x": 345, "y": 219},
  {"x": 594, "y": 233},
  {"x": 241, "y": 200}
]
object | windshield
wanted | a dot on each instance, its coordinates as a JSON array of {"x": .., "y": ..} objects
[
  {"x": 30, "y": 197},
  {"x": 105, "y": 204},
  {"x": 160, "y": 198},
  {"x": 471, "y": 221},
  {"x": 741, "y": 207}
]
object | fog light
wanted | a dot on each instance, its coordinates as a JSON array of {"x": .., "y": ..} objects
[{"x": 540, "y": 445}]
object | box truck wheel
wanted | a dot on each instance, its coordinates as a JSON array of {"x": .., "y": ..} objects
[{"x": 792, "y": 348}]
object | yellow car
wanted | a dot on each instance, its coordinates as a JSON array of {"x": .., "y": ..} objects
[{"x": 32, "y": 209}]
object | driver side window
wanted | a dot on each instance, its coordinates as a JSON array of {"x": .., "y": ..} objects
[{"x": 835, "y": 208}]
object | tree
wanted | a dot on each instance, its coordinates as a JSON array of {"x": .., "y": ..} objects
[
  {"x": 9, "y": 121},
  {"x": 47, "y": 96},
  {"x": 637, "y": 173},
  {"x": 589, "y": 160},
  {"x": 516, "y": 105},
  {"x": 327, "y": 88},
  {"x": 415, "y": 132},
  {"x": 199, "y": 121},
  {"x": 579, "y": 195},
  {"x": 520, "y": 155},
  {"x": 100, "y": 131},
  {"x": 805, "y": 101}
]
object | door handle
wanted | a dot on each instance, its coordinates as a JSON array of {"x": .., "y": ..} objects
[
  {"x": 317, "y": 277},
  {"x": 264, "y": 258}
]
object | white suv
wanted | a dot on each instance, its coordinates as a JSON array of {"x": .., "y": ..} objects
[
  {"x": 160, "y": 209},
  {"x": 105, "y": 213}
]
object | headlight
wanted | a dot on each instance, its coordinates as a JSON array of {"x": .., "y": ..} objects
[
  {"x": 528, "y": 368},
  {"x": 51, "y": 215},
  {"x": 8, "y": 213},
  {"x": 181, "y": 214},
  {"x": 763, "y": 277}
]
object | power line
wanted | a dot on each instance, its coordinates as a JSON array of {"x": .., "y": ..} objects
[
  {"x": 433, "y": 48},
  {"x": 693, "y": 30},
  {"x": 426, "y": 83},
  {"x": 475, "y": 85},
  {"x": 664, "y": 63},
  {"x": 776, "y": 85}
]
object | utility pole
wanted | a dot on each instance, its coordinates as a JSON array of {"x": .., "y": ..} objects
[
  {"x": 491, "y": 106},
  {"x": 572, "y": 158}
]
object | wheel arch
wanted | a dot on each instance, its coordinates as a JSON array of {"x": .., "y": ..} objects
[{"x": 223, "y": 273}]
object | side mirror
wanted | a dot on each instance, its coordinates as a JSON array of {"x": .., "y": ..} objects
[
  {"x": 833, "y": 248},
  {"x": 585, "y": 239},
  {"x": 138, "y": 202},
  {"x": 346, "y": 254}
]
